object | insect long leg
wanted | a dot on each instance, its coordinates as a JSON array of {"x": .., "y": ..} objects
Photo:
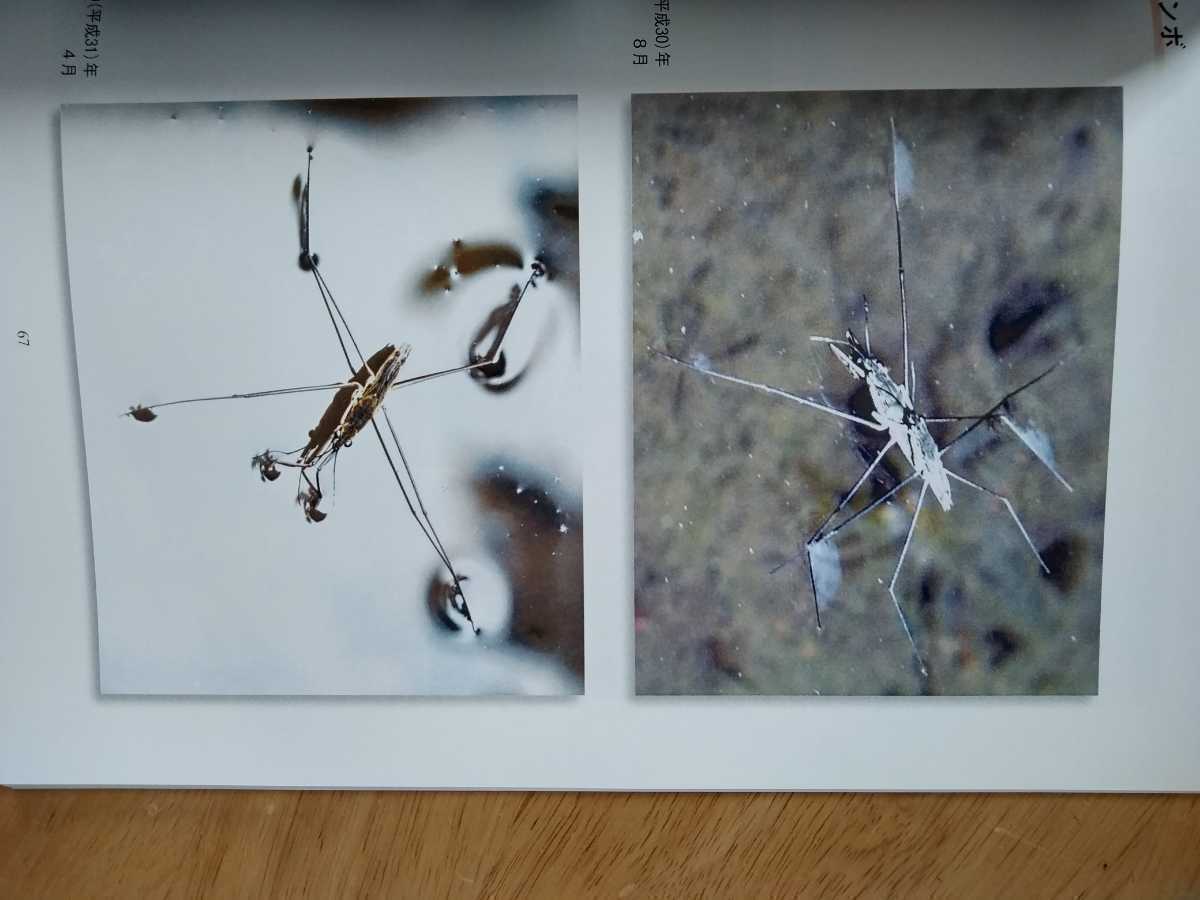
[
  {"x": 817, "y": 535},
  {"x": 335, "y": 316},
  {"x": 304, "y": 245},
  {"x": 139, "y": 412},
  {"x": 309, "y": 500},
  {"x": 329, "y": 457},
  {"x": 308, "y": 261},
  {"x": 424, "y": 522},
  {"x": 867, "y": 323},
  {"x": 327, "y": 296},
  {"x": 304, "y": 477},
  {"x": 854, "y": 517},
  {"x": 330, "y": 306},
  {"x": 433, "y": 535},
  {"x": 418, "y": 379},
  {"x": 268, "y": 462},
  {"x": 896, "y": 574},
  {"x": 1011, "y": 511},
  {"x": 900, "y": 254},
  {"x": 774, "y": 391},
  {"x": 503, "y": 315},
  {"x": 976, "y": 421},
  {"x": 979, "y": 418},
  {"x": 426, "y": 527},
  {"x": 874, "y": 504},
  {"x": 500, "y": 320}
]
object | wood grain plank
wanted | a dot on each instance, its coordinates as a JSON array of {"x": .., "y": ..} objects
[{"x": 164, "y": 843}]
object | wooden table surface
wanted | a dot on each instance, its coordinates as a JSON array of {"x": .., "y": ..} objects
[{"x": 160, "y": 843}]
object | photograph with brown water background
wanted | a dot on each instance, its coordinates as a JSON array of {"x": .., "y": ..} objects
[{"x": 761, "y": 221}]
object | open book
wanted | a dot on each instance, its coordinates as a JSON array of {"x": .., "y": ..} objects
[{"x": 852, "y": 336}]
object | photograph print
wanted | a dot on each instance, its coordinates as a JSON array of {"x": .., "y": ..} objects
[
  {"x": 872, "y": 352},
  {"x": 328, "y": 354}
]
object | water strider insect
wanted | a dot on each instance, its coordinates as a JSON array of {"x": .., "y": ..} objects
[
  {"x": 896, "y": 415},
  {"x": 359, "y": 401}
]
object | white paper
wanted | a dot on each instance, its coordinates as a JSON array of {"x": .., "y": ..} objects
[{"x": 1140, "y": 733}]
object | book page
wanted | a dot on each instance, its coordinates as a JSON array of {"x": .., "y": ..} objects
[{"x": 169, "y": 615}]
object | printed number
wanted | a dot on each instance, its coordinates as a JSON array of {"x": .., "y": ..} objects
[
  {"x": 23, "y": 338},
  {"x": 639, "y": 43}
]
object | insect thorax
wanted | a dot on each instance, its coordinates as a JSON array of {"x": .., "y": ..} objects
[
  {"x": 354, "y": 405},
  {"x": 368, "y": 398},
  {"x": 892, "y": 406}
]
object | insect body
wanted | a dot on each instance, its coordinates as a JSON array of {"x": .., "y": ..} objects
[
  {"x": 894, "y": 413},
  {"x": 354, "y": 405},
  {"x": 358, "y": 403},
  {"x": 894, "y": 410}
]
